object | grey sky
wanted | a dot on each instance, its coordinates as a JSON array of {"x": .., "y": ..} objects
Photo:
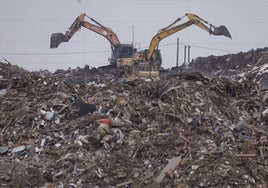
[{"x": 26, "y": 26}]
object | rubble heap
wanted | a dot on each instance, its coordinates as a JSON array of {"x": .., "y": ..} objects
[
  {"x": 251, "y": 65},
  {"x": 183, "y": 131}
]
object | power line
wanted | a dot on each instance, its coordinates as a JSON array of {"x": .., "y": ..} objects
[
  {"x": 47, "y": 41},
  {"x": 214, "y": 49},
  {"x": 105, "y": 51},
  {"x": 61, "y": 53},
  {"x": 33, "y": 20},
  {"x": 103, "y": 42},
  {"x": 240, "y": 1},
  {"x": 196, "y": 46},
  {"x": 234, "y": 43},
  {"x": 124, "y": 20},
  {"x": 64, "y": 20}
]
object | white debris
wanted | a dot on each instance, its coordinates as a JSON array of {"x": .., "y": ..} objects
[
  {"x": 18, "y": 149},
  {"x": 3, "y": 92}
]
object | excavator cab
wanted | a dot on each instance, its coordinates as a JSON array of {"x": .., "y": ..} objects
[
  {"x": 121, "y": 51},
  {"x": 124, "y": 50}
]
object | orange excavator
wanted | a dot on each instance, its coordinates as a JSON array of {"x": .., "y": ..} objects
[{"x": 118, "y": 50}]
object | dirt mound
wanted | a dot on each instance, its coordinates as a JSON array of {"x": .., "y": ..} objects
[{"x": 185, "y": 130}]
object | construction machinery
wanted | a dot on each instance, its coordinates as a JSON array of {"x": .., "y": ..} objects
[
  {"x": 118, "y": 50},
  {"x": 146, "y": 63}
]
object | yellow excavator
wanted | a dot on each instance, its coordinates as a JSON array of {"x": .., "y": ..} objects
[
  {"x": 146, "y": 63},
  {"x": 118, "y": 50}
]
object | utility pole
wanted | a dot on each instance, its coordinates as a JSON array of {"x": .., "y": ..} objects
[
  {"x": 185, "y": 49},
  {"x": 133, "y": 34},
  {"x": 177, "y": 59},
  {"x": 189, "y": 47},
  {"x": 133, "y": 44}
]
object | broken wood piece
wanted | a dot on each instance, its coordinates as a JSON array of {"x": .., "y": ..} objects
[
  {"x": 171, "y": 166},
  {"x": 185, "y": 139},
  {"x": 168, "y": 90},
  {"x": 246, "y": 155},
  {"x": 125, "y": 183},
  {"x": 261, "y": 152}
]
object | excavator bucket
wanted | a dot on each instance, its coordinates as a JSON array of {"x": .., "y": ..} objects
[
  {"x": 56, "y": 39},
  {"x": 221, "y": 30}
]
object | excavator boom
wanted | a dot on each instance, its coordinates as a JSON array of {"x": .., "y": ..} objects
[
  {"x": 57, "y": 38},
  {"x": 193, "y": 19}
]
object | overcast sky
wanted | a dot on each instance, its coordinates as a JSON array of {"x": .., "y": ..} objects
[{"x": 26, "y": 27}]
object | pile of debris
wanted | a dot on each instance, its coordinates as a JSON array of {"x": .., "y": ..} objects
[
  {"x": 251, "y": 65},
  {"x": 70, "y": 129}
]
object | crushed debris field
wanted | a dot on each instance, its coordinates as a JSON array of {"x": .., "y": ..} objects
[{"x": 206, "y": 126}]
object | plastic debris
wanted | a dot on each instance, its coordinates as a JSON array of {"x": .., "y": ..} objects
[
  {"x": 3, "y": 149},
  {"x": 18, "y": 149},
  {"x": 3, "y": 92}
]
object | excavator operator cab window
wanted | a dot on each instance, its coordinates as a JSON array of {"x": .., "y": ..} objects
[{"x": 121, "y": 51}]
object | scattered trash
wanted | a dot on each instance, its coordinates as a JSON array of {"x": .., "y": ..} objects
[
  {"x": 81, "y": 128},
  {"x": 251, "y": 65},
  {"x": 238, "y": 126},
  {"x": 108, "y": 133}
]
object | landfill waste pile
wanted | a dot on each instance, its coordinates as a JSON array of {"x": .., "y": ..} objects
[
  {"x": 251, "y": 65},
  {"x": 86, "y": 128}
]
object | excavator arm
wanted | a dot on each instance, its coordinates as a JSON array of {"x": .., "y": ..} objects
[
  {"x": 171, "y": 29},
  {"x": 57, "y": 38}
]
